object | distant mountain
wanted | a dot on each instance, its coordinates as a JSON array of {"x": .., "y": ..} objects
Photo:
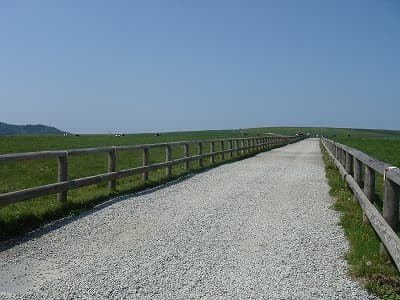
[{"x": 9, "y": 129}]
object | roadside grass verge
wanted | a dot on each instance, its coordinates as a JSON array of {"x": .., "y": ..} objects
[
  {"x": 378, "y": 273},
  {"x": 23, "y": 217},
  {"x": 383, "y": 149}
]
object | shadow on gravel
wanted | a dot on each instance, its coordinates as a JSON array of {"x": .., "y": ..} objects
[{"x": 105, "y": 202}]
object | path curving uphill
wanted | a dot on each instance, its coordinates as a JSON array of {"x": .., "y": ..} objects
[{"x": 257, "y": 228}]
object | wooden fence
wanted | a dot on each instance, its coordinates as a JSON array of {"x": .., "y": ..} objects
[
  {"x": 350, "y": 163},
  {"x": 238, "y": 146}
]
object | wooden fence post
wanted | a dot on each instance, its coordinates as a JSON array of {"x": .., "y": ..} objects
[
  {"x": 357, "y": 172},
  {"x": 342, "y": 157},
  {"x": 62, "y": 175},
  {"x": 237, "y": 148},
  {"x": 349, "y": 163},
  {"x": 369, "y": 183},
  {"x": 145, "y": 156},
  {"x": 222, "y": 149},
  {"x": 212, "y": 150},
  {"x": 112, "y": 167},
  {"x": 200, "y": 152},
  {"x": 391, "y": 204},
  {"x": 230, "y": 147},
  {"x": 168, "y": 170},
  {"x": 390, "y": 208},
  {"x": 186, "y": 154}
]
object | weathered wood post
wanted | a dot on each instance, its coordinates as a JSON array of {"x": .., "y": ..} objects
[
  {"x": 168, "y": 170},
  {"x": 390, "y": 208},
  {"x": 237, "y": 148},
  {"x": 391, "y": 204},
  {"x": 186, "y": 154},
  {"x": 358, "y": 172},
  {"x": 112, "y": 167},
  {"x": 200, "y": 152},
  {"x": 349, "y": 163},
  {"x": 369, "y": 183},
  {"x": 212, "y": 150},
  {"x": 342, "y": 157},
  {"x": 62, "y": 175},
  {"x": 222, "y": 150},
  {"x": 230, "y": 147},
  {"x": 145, "y": 160}
]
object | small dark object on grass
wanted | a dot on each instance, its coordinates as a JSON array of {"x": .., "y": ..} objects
[
  {"x": 157, "y": 134},
  {"x": 77, "y": 135}
]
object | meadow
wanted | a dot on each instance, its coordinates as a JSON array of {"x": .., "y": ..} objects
[
  {"x": 18, "y": 218},
  {"x": 21, "y": 217}
]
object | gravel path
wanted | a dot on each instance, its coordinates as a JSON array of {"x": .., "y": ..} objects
[{"x": 258, "y": 228}]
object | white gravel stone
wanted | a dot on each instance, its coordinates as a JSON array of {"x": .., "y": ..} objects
[{"x": 260, "y": 228}]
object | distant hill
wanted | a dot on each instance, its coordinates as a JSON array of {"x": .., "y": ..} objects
[{"x": 9, "y": 129}]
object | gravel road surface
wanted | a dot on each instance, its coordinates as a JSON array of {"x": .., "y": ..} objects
[{"x": 260, "y": 228}]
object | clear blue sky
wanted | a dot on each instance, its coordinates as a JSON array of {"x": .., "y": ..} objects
[{"x": 140, "y": 66}]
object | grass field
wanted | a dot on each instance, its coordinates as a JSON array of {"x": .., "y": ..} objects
[{"x": 21, "y": 217}]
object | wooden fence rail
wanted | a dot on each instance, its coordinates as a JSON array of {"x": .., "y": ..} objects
[
  {"x": 350, "y": 162},
  {"x": 61, "y": 187}
]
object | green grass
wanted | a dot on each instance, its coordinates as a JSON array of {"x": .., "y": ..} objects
[
  {"x": 21, "y": 217},
  {"x": 378, "y": 273},
  {"x": 383, "y": 149}
]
